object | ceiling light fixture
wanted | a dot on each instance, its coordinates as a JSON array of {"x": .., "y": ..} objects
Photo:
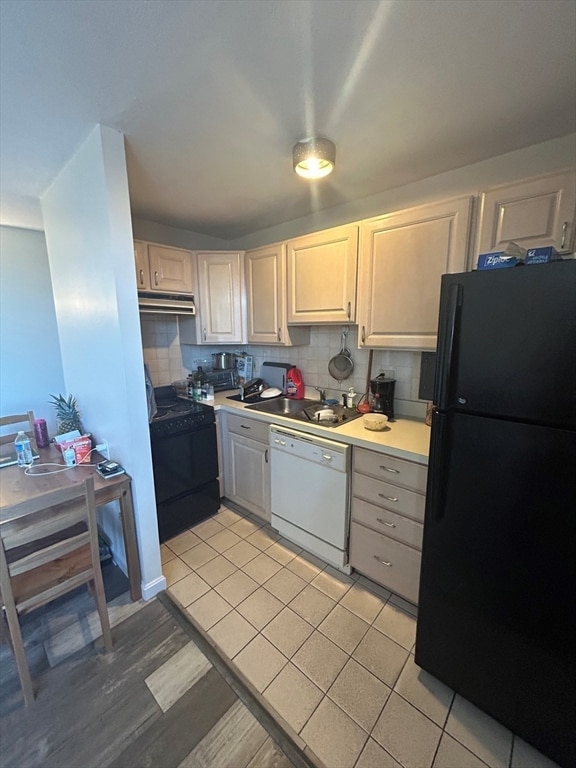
[{"x": 314, "y": 158}]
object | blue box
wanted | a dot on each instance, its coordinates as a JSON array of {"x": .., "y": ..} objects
[
  {"x": 542, "y": 255},
  {"x": 497, "y": 260}
]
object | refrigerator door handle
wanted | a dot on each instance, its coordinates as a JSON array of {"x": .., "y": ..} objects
[
  {"x": 447, "y": 345},
  {"x": 437, "y": 466}
]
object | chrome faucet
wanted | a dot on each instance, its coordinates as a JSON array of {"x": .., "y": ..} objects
[{"x": 322, "y": 393}]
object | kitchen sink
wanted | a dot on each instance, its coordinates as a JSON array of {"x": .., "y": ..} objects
[
  {"x": 317, "y": 413},
  {"x": 309, "y": 411},
  {"x": 283, "y": 406}
]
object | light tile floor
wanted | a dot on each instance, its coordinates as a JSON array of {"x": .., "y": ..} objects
[{"x": 332, "y": 654}]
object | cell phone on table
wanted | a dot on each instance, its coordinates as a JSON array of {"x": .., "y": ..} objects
[{"x": 109, "y": 468}]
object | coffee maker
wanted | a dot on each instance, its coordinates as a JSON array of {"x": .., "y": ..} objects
[{"x": 382, "y": 400}]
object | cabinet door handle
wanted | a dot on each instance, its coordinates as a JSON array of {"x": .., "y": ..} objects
[
  {"x": 279, "y": 334},
  {"x": 349, "y": 310},
  {"x": 141, "y": 277},
  {"x": 204, "y": 333},
  {"x": 389, "y": 469},
  {"x": 245, "y": 426},
  {"x": 384, "y": 562},
  {"x": 564, "y": 229},
  {"x": 388, "y": 498},
  {"x": 390, "y": 525},
  {"x": 156, "y": 279},
  {"x": 363, "y": 334},
  {"x": 266, "y": 455}
]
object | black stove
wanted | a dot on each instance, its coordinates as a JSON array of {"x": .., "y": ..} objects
[
  {"x": 185, "y": 462},
  {"x": 178, "y": 414}
]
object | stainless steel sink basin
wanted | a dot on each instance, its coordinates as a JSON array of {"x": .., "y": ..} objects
[
  {"x": 306, "y": 410},
  {"x": 282, "y": 406},
  {"x": 327, "y": 416}
]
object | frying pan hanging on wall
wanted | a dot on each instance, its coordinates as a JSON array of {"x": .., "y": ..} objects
[{"x": 341, "y": 365}]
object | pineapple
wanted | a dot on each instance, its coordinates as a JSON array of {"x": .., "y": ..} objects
[{"x": 67, "y": 414}]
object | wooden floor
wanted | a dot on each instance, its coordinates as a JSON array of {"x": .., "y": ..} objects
[{"x": 156, "y": 701}]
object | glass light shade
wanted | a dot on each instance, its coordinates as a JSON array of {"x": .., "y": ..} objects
[{"x": 314, "y": 158}]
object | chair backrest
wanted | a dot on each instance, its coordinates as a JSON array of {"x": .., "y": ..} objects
[
  {"x": 48, "y": 547},
  {"x": 24, "y": 420}
]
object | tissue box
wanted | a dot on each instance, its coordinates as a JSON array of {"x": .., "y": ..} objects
[
  {"x": 542, "y": 255},
  {"x": 497, "y": 260}
]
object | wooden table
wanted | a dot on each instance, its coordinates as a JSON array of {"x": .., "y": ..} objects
[{"x": 16, "y": 486}]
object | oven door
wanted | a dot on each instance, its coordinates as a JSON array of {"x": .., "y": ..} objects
[{"x": 184, "y": 462}]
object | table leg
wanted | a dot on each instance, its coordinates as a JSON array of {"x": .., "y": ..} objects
[{"x": 130, "y": 543}]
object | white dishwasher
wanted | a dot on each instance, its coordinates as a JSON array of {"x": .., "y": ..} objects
[{"x": 310, "y": 493}]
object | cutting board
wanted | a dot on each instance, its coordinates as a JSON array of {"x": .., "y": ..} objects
[{"x": 274, "y": 374}]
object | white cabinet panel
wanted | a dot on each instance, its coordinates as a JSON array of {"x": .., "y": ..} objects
[
  {"x": 266, "y": 293},
  {"x": 402, "y": 258},
  {"x": 533, "y": 213},
  {"x": 246, "y": 463},
  {"x": 322, "y": 276},
  {"x": 221, "y": 303},
  {"x": 163, "y": 269}
]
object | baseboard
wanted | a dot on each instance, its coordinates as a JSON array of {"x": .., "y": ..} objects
[{"x": 153, "y": 588}]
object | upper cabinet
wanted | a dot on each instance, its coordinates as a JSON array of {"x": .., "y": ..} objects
[
  {"x": 534, "y": 212},
  {"x": 221, "y": 300},
  {"x": 322, "y": 276},
  {"x": 402, "y": 257},
  {"x": 265, "y": 271},
  {"x": 163, "y": 269}
]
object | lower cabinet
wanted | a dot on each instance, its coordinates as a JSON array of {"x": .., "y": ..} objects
[
  {"x": 246, "y": 464},
  {"x": 387, "y": 517}
]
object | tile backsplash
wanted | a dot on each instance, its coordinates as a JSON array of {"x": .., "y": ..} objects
[{"x": 169, "y": 361}]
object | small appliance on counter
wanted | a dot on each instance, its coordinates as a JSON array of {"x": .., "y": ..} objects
[
  {"x": 382, "y": 400},
  {"x": 426, "y": 388},
  {"x": 222, "y": 379}
]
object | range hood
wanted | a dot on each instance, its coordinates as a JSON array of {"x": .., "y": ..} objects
[{"x": 166, "y": 303}]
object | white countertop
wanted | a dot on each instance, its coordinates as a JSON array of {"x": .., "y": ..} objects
[{"x": 406, "y": 438}]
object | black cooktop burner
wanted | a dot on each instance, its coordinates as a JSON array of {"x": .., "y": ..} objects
[
  {"x": 183, "y": 407},
  {"x": 170, "y": 406}
]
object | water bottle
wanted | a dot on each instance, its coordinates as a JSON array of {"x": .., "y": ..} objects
[{"x": 23, "y": 449}]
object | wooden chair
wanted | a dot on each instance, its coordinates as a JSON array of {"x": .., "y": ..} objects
[
  {"x": 20, "y": 419},
  {"x": 48, "y": 547}
]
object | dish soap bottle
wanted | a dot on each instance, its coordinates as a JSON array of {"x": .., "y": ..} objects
[
  {"x": 294, "y": 384},
  {"x": 350, "y": 398}
]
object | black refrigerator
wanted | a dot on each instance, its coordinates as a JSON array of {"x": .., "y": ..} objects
[{"x": 497, "y": 600}]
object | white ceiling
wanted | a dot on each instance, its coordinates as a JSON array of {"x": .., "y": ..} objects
[{"x": 212, "y": 95}]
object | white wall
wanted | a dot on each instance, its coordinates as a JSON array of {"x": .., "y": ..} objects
[
  {"x": 469, "y": 180},
  {"x": 178, "y": 238},
  {"x": 89, "y": 238},
  {"x": 30, "y": 363}
]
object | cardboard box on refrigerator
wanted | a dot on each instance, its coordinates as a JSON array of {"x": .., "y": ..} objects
[
  {"x": 542, "y": 255},
  {"x": 497, "y": 260}
]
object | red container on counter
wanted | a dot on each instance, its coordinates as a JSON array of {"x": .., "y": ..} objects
[
  {"x": 41, "y": 433},
  {"x": 294, "y": 384}
]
